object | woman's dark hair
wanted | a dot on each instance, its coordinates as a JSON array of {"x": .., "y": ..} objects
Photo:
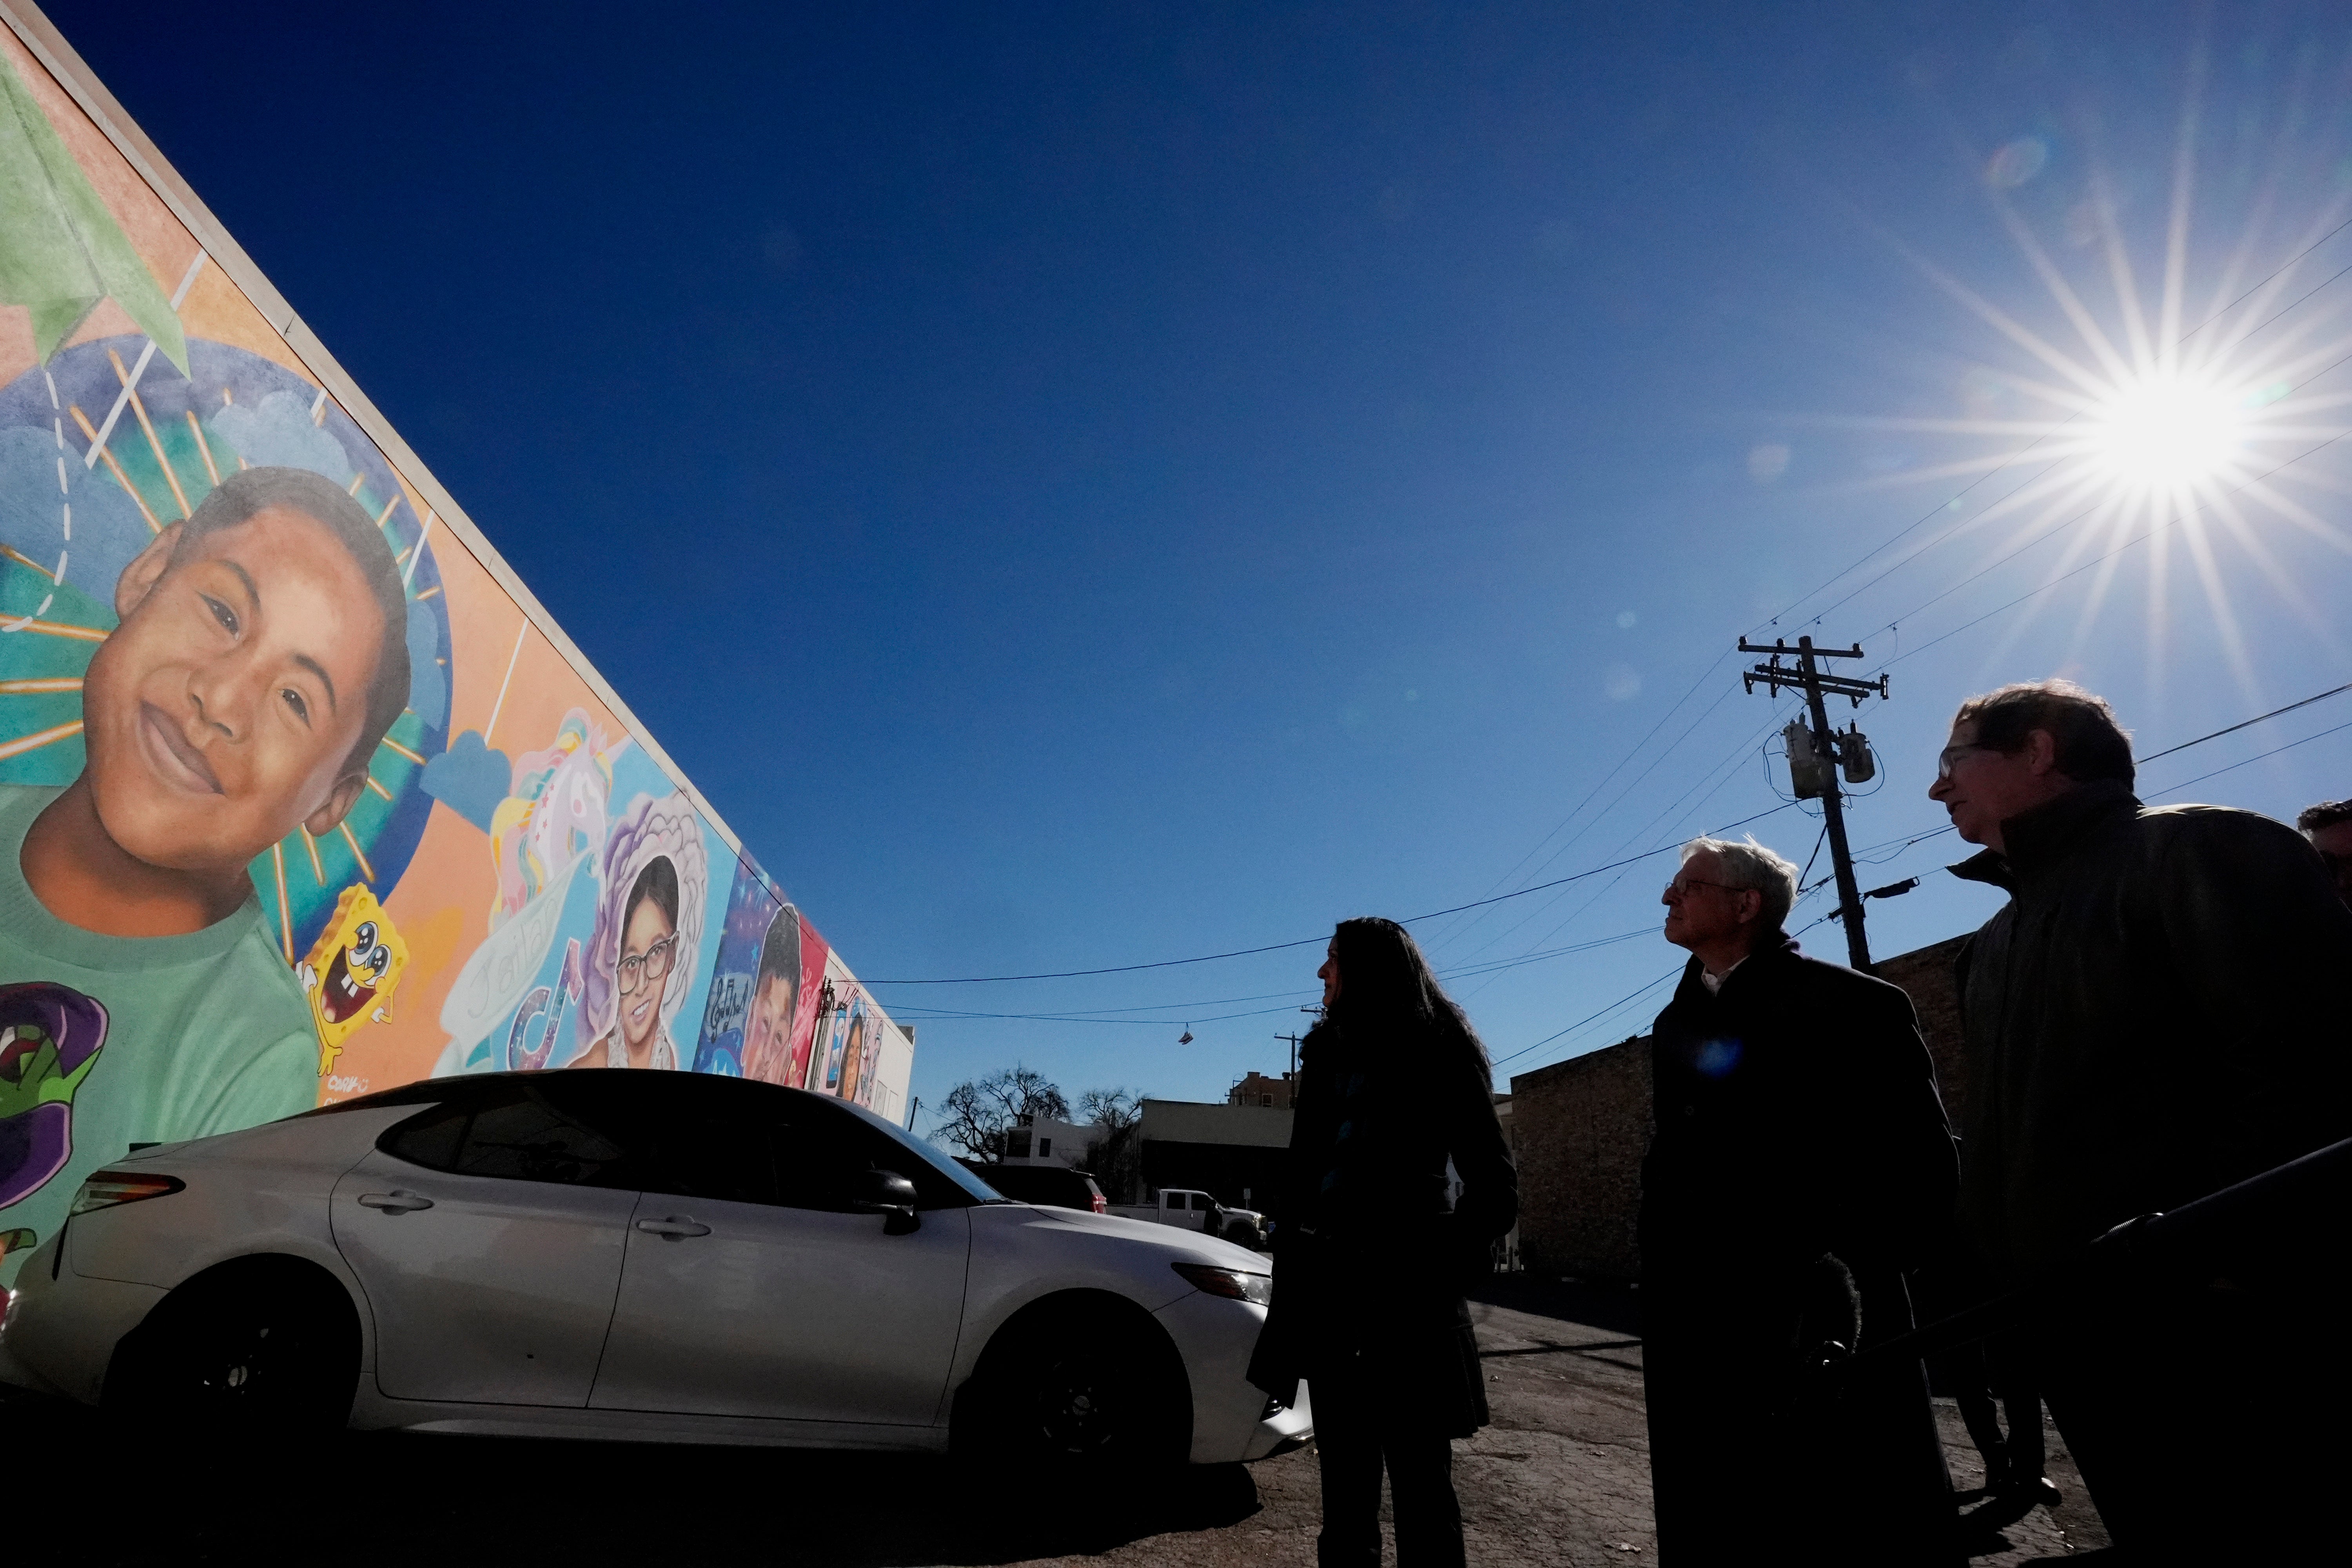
[
  {"x": 657, "y": 881},
  {"x": 1386, "y": 989}
]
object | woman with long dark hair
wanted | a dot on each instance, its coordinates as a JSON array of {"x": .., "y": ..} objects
[{"x": 1374, "y": 1252}]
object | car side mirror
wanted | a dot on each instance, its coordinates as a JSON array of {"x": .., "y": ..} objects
[{"x": 889, "y": 1194}]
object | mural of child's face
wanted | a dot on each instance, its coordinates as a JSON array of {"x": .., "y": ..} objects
[
  {"x": 770, "y": 1021},
  {"x": 223, "y": 710},
  {"x": 650, "y": 939}
]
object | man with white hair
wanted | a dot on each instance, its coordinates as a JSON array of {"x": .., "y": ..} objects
[{"x": 1801, "y": 1163}]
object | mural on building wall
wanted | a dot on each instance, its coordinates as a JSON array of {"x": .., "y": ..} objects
[{"x": 296, "y": 802}]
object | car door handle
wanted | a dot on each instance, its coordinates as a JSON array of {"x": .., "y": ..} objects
[
  {"x": 672, "y": 1228},
  {"x": 393, "y": 1201}
]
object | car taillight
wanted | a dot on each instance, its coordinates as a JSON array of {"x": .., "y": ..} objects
[
  {"x": 105, "y": 1189},
  {"x": 1230, "y": 1282},
  {"x": 1102, "y": 1205}
]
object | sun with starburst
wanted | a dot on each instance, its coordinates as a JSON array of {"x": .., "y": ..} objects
[{"x": 2166, "y": 422}]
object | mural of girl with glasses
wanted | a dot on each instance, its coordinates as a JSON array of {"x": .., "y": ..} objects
[{"x": 641, "y": 957}]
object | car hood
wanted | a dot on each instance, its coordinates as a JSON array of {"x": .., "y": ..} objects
[{"x": 1176, "y": 1246}]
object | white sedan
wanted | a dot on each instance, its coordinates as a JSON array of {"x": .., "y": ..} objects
[{"x": 639, "y": 1255}]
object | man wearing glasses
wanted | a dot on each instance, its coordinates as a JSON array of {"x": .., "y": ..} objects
[
  {"x": 2328, "y": 826},
  {"x": 1801, "y": 1163},
  {"x": 2155, "y": 1015}
]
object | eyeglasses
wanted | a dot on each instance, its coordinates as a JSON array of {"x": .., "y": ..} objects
[
  {"x": 650, "y": 965},
  {"x": 1681, "y": 886},
  {"x": 1950, "y": 754}
]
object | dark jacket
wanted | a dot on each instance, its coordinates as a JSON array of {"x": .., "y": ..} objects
[
  {"x": 2160, "y": 1009},
  {"x": 1796, "y": 1115},
  {"x": 1801, "y": 1163},
  {"x": 1371, "y": 1254}
]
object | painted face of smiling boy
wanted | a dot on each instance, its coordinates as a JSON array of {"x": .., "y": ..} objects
[
  {"x": 770, "y": 1022},
  {"x": 226, "y": 707}
]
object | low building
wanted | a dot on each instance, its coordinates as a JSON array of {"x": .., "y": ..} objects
[
  {"x": 1040, "y": 1140},
  {"x": 1580, "y": 1128},
  {"x": 1233, "y": 1152},
  {"x": 1256, "y": 1088}
]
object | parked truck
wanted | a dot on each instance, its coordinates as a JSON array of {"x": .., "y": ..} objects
[{"x": 1189, "y": 1210}]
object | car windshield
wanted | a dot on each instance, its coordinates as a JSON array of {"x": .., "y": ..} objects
[{"x": 981, "y": 1191}]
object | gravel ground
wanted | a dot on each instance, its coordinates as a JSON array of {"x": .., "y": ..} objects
[{"x": 1560, "y": 1479}]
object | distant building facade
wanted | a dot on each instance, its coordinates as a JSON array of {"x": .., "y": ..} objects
[
  {"x": 1040, "y": 1140},
  {"x": 1256, "y": 1088},
  {"x": 1579, "y": 1130},
  {"x": 1233, "y": 1152}
]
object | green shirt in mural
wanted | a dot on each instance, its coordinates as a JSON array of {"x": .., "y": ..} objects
[{"x": 107, "y": 1041}]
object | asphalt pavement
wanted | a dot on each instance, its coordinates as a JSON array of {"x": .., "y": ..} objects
[{"x": 1560, "y": 1478}]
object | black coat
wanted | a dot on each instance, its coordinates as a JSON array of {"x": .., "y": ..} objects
[
  {"x": 1372, "y": 1254},
  {"x": 1801, "y": 1163},
  {"x": 1796, "y": 1115},
  {"x": 2159, "y": 1010}
]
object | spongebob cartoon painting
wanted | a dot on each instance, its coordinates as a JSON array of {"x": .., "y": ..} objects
[{"x": 351, "y": 972}]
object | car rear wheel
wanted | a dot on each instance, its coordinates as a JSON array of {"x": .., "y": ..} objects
[
  {"x": 255, "y": 1350},
  {"x": 1076, "y": 1392}
]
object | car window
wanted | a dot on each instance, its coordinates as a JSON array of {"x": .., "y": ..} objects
[
  {"x": 543, "y": 1131},
  {"x": 529, "y": 1139},
  {"x": 741, "y": 1142},
  {"x": 430, "y": 1138},
  {"x": 1200, "y": 1201},
  {"x": 818, "y": 1158},
  {"x": 722, "y": 1154},
  {"x": 940, "y": 1182}
]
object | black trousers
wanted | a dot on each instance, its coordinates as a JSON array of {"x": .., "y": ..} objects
[
  {"x": 1995, "y": 1371},
  {"x": 1360, "y": 1429}
]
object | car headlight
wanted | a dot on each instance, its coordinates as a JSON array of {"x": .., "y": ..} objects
[{"x": 1230, "y": 1282}]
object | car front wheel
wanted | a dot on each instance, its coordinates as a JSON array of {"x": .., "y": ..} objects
[{"x": 1078, "y": 1391}]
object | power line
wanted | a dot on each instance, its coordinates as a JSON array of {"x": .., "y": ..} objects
[
  {"x": 1603, "y": 784},
  {"x": 2257, "y": 757},
  {"x": 1094, "y": 1015},
  {"x": 1307, "y": 941},
  {"x": 1728, "y": 770},
  {"x": 2243, "y": 723},
  {"x": 1590, "y": 1017}
]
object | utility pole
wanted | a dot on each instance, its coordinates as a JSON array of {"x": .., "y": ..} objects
[
  {"x": 1816, "y": 754},
  {"x": 1292, "y": 1073}
]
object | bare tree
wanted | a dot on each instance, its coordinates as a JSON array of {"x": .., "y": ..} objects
[
  {"x": 1116, "y": 1159},
  {"x": 978, "y": 1113}
]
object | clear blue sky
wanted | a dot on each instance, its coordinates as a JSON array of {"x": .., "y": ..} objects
[{"x": 1086, "y": 485}]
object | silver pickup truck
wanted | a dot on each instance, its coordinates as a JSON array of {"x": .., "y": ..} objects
[{"x": 1189, "y": 1210}]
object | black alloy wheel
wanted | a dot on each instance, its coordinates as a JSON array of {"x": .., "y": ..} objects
[
  {"x": 1076, "y": 1392},
  {"x": 1084, "y": 1405},
  {"x": 253, "y": 1355}
]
